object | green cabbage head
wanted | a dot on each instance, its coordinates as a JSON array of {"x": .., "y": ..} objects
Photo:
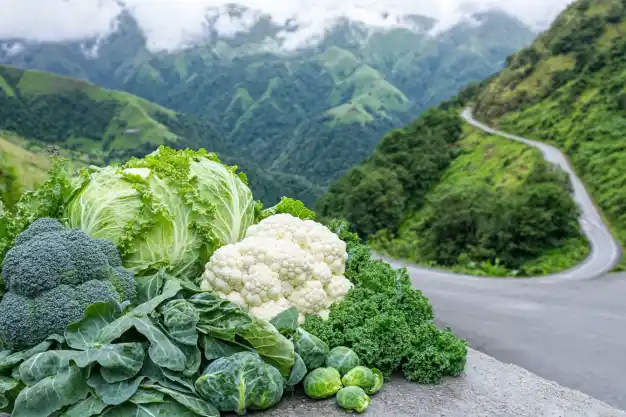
[
  {"x": 353, "y": 399},
  {"x": 240, "y": 382},
  {"x": 170, "y": 210},
  {"x": 342, "y": 359},
  {"x": 322, "y": 383}
]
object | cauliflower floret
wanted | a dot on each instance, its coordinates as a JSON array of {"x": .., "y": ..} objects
[
  {"x": 309, "y": 299},
  {"x": 283, "y": 261},
  {"x": 262, "y": 285},
  {"x": 270, "y": 309},
  {"x": 338, "y": 287}
]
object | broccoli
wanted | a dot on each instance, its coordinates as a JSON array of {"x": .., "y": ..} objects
[{"x": 51, "y": 276}]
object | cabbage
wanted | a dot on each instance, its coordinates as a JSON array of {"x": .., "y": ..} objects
[{"x": 171, "y": 209}]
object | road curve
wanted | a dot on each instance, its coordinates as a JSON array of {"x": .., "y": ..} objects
[
  {"x": 571, "y": 333},
  {"x": 605, "y": 251}
]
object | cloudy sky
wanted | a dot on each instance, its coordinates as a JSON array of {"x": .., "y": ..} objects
[{"x": 169, "y": 22}]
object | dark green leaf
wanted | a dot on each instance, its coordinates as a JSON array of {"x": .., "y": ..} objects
[
  {"x": 13, "y": 359},
  {"x": 171, "y": 288},
  {"x": 180, "y": 318},
  {"x": 163, "y": 351},
  {"x": 146, "y": 396},
  {"x": 83, "y": 335},
  {"x": 272, "y": 346},
  {"x": 90, "y": 406},
  {"x": 120, "y": 361},
  {"x": 46, "y": 364},
  {"x": 117, "y": 393},
  {"x": 287, "y": 321},
  {"x": 191, "y": 402},
  {"x": 67, "y": 387},
  {"x": 166, "y": 377},
  {"x": 193, "y": 359},
  {"x": 166, "y": 408},
  {"x": 6, "y": 385},
  {"x": 149, "y": 287},
  {"x": 216, "y": 348},
  {"x": 298, "y": 372}
]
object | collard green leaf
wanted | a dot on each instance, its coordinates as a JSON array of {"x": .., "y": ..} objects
[
  {"x": 219, "y": 318},
  {"x": 162, "y": 351},
  {"x": 146, "y": 396},
  {"x": 166, "y": 408},
  {"x": 272, "y": 346},
  {"x": 45, "y": 364},
  {"x": 170, "y": 289},
  {"x": 6, "y": 385},
  {"x": 298, "y": 372},
  {"x": 190, "y": 401},
  {"x": 120, "y": 361},
  {"x": 180, "y": 318},
  {"x": 167, "y": 378},
  {"x": 83, "y": 334},
  {"x": 67, "y": 387},
  {"x": 90, "y": 406},
  {"x": 117, "y": 393},
  {"x": 13, "y": 359},
  {"x": 150, "y": 286},
  {"x": 216, "y": 348},
  {"x": 311, "y": 349},
  {"x": 193, "y": 359},
  {"x": 287, "y": 321}
]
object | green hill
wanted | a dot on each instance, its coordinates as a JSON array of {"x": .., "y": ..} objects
[
  {"x": 92, "y": 125},
  {"x": 568, "y": 89},
  {"x": 440, "y": 193},
  {"x": 315, "y": 112}
]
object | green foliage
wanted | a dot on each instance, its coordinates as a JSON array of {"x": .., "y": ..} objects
[
  {"x": 289, "y": 206},
  {"x": 153, "y": 356},
  {"x": 396, "y": 177},
  {"x": 385, "y": 321},
  {"x": 583, "y": 114},
  {"x": 353, "y": 398},
  {"x": 499, "y": 205}
]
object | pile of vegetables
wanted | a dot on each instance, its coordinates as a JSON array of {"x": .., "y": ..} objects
[{"x": 160, "y": 287}]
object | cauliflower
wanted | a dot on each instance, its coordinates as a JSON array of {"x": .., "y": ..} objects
[
  {"x": 283, "y": 261},
  {"x": 52, "y": 275}
]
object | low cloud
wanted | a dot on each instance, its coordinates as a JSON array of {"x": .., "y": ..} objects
[{"x": 169, "y": 23}]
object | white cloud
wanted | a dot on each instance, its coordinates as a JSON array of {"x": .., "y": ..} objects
[{"x": 168, "y": 23}]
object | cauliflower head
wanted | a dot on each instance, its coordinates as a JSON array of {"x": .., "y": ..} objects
[
  {"x": 283, "y": 261},
  {"x": 52, "y": 274}
]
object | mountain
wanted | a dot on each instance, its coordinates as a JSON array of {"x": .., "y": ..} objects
[
  {"x": 313, "y": 112},
  {"x": 92, "y": 125},
  {"x": 567, "y": 89}
]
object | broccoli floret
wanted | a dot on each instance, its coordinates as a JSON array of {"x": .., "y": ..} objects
[{"x": 52, "y": 275}]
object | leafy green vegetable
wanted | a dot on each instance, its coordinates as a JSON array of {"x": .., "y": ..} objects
[
  {"x": 52, "y": 393},
  {"x": 90, "y": 406},
  {"x": 287, "y": 321},
  {"x": 360, "y": 376},
  {"x": 289, "y": 206},
  {"x": 191, "y": 402},
  {"x": 169, "y": 210},
  {"x": 322, "y": 383},
  {"x": 353, "y": 398},
  {"x": 165, "y": 408},
  {"x": 342, "y": 359},
  {"x": 311, "y": 348},
  {"x": 298, "y": 372},
  {"x": 6, "y": 385},
  {"x": 387, "y": 322},
  {"x": 379, "y": 382},
  {"x": 240, "y": 382}
]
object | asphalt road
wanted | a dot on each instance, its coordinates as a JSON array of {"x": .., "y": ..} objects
[{"x": 569, "y": 327}]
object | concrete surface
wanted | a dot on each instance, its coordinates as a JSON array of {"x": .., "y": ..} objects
[{"x": 488, "y": 389}]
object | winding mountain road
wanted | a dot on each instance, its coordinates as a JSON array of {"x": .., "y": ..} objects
[{"x": 569, "y": 327}]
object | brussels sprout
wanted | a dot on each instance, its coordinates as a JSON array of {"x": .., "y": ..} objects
[
  {"x": 353, "y": 399},
  {"x": 342, "y": 359},
  {"x": 311, "y": 349},
  {"x": 298, "y": 371},
  {"x": 322, "y": 383},
  {"x": 379, "y": 382},
  {"x": 239, "y": 382},
  {"x": 360, "y": 376}
]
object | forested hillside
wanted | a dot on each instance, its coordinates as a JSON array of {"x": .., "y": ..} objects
[
  {"x": 568, "y": 89},
  {"x": 92, "y": 125},
  {"x": 439, "y": 193},
  {"x": 314, "y": 112}
]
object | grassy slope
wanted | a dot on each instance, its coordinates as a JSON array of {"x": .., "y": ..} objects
[
  {"x": 574, "y": 98},
  {"x": 133, "y": 113},
  {"x": 30, "y": 166},
  {"x": 503, "y": 165}
]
